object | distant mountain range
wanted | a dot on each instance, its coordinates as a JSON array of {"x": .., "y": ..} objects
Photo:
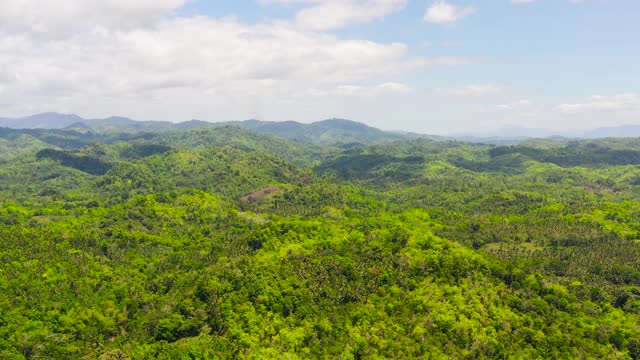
[
  {"x": 515, "y": 132},
  {"x": 41, "y": 121},
  {"x": 326, "y": 132}
]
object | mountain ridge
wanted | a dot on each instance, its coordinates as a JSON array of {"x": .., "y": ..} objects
[
  {"x": 334, "y": 131},
  {"x": 514, "y": 132},
  {"x": 326, "y": 132}
]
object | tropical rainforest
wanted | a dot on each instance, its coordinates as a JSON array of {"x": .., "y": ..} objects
[{"x": 226, "y": 243}]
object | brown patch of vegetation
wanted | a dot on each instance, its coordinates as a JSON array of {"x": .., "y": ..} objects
[
  {"x": 601, "y": 189},
  {"x": 260, "y": 194}
]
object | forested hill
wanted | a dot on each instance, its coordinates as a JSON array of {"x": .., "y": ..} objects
[
  {"x": 327, "y": 132},
  {"x": 16, "y": 142},
  {"x": 224, "y": 243}
]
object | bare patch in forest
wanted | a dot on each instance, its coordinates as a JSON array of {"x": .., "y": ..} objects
[{"x": 260, "y": 194}]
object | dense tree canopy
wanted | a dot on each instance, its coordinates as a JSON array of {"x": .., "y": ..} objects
[{"x": 222, "y": 243}]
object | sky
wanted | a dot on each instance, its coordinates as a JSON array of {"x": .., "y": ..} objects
[{"x": 434, "y": 66}]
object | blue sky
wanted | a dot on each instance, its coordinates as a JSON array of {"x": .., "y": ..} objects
[{"x": 428, "y": 66}]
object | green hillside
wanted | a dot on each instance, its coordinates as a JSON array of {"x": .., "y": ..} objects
[
  {"x": 327, "y": 132},
  {"x": 223, "y": 243}
]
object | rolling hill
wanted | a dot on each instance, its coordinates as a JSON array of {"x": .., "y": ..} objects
[{"x": 326, "y": 132}]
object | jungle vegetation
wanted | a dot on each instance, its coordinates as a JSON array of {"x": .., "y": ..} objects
[{"x": 222, "y": 243}]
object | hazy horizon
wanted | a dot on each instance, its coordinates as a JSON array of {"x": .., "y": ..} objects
[{"x": 504, "y": 131}]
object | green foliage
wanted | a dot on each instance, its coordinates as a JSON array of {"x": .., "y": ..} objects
[
  {"x": 83, "y": 163},
  {"x": 150, "y": 248},
  {"x": 573, "y": 154},
  {"x": 245, "y": 140},
  {"x": 328, "y": 132}
]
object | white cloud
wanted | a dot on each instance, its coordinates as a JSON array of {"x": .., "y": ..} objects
[
  {"x": 366, "y": 91},
  {"x": 441, "y": 12},
  {"x": 532, "y": 1},
  {"x": 198, "y": 52},
  {"x": 598, "y": 103},
  {"x": 473, "y": 90},
  {"x": 148, "y": 64},
  {"x": 332, "y": 14},
  {"x": 55, "y": 18},
  {"x": 515, "y": 105}
]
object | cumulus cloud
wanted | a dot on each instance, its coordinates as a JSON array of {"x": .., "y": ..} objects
[
  {"x": 598, "y": 103},
  {"x": 365, "y": 91},
  {"x": 442, "y": 12},
  {"x": 473, "y": 90},
  {"x": 59, "y": 18},
  {"x": 515, "y": 105},
  {"x": 532, "y": 1},
  {"x": 333, "y": 14},
  {"x": 139, "y": 57},
  {"x": 197, "y": 52}
]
